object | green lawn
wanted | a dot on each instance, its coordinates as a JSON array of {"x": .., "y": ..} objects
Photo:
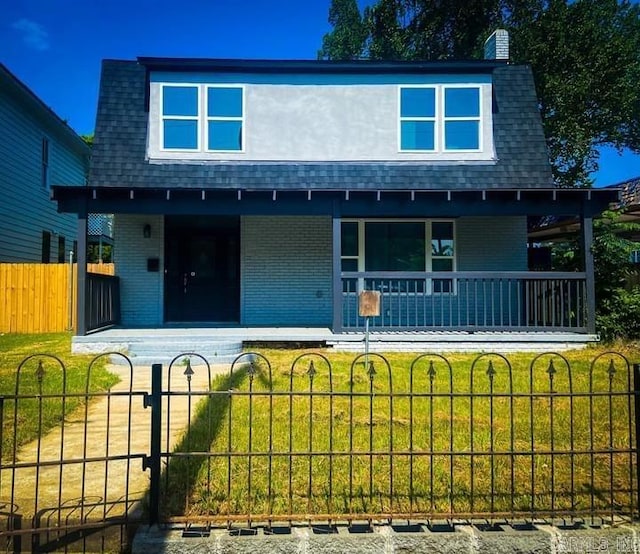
[
  {"x": 35, "y": 415},
  {"x": 422, "y": 476}
]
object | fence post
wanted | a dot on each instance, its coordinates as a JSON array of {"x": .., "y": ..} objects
[
  {"x": 636, "y": 399},
  {"x": 154, "y": 458}
]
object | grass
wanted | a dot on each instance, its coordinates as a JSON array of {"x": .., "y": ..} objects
[
  {"x": 70, "y": 375},
  {"x": 432, "y": 470}
]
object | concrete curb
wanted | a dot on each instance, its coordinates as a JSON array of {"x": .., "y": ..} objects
[{"x": 386, "y": 539}]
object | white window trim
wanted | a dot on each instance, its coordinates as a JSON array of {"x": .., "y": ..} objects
[
  {"x": 195, "y": 118},
  {"x": 208, "y": 118},
  {"x": 440, "y": 120},
  {"x": 445, "y": 119},
  {"x": 202, "y": 118},
  {"x": 434, "y": 119},
  {"x": 428, "y": 255}
]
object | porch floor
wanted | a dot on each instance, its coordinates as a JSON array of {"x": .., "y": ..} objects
[{"x": 224, "y": 343}]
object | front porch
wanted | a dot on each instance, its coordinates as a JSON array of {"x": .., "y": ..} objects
[
  {"x": 451, "y": 266},
  {"x": 223, "y": 344}
]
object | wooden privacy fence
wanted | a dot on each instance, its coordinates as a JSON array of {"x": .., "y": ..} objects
[{"x": 40, "y": 298}]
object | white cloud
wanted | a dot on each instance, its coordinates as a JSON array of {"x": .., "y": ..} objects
[{"x": 34, "y": 35}]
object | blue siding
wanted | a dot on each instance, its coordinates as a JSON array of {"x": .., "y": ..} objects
[
  {"x": 26, "y": 208},
  {"x": 286, "y": 271}
]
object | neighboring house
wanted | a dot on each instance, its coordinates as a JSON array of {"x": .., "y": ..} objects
[
  {"x": 559, "y": 228},
  {"x": 37, "y": 150},
  {"x": 270, "y": 193}
]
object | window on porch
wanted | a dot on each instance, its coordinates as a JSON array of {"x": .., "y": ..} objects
[{"x": 398, "y": 246}]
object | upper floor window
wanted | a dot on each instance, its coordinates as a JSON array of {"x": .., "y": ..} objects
[
  {"x": 180, "y": 109},
  {"x": 191, "y": 112},
  {"x": 224, "y": 118},
  {"x": 442, "y": 118}
]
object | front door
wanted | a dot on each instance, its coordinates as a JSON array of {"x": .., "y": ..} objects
[{"x": 202, "y": 276}]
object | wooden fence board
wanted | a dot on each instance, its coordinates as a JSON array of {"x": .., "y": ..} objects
[{"x": 34, "y": 298}]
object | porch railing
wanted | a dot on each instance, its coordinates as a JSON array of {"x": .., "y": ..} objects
[
  {"x": 463, "y": 300},
  {"x": 103, "y": 301}
]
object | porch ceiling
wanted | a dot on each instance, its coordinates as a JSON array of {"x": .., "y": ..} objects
[{"x": 349, "y": 203}]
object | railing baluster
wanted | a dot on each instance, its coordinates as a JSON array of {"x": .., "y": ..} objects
[{"x": 471, "y": 300}]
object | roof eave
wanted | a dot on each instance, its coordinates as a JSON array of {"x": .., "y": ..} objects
[{"x": 319, "y": 66}]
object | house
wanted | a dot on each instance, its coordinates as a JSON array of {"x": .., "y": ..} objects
[
  {"x": 554, "y": 228},
  {"x": 270, "y": 193},
  {"x": 37, "y": 150}
]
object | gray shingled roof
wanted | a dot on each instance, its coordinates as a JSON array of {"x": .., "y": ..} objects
[{"x": 120, "y": 142}]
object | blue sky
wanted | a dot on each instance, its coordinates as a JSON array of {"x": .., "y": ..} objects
[{"x": 55, "y": 46}]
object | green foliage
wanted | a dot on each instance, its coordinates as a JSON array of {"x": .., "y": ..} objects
[
  {"x": 88, "y": 139},
  {"x": 612, "y": 255},
  {"x": 347, "y": 38},
  {"x": 585, "y": 55},
  {"x": 93, "y": 254},
  {"x": 617, "y": 309},
  {"x": 618, "y": 316}
]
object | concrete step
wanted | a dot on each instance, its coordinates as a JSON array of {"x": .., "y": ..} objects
[{"x": 165, "y": 360}]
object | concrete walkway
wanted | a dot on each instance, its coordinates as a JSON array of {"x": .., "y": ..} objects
[{"x": 115, "y": 426}]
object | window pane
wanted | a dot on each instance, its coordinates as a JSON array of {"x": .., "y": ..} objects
[
  {"x": 180, "y": 101},
  {"x": 394, "y": 247},
  {"x": 442, "y": 264},
  {"x": 417, "y": 102},
  {"x": 349, "y": 265},
  {"x": 417, "y": 135},
  {"x": 442, "y": 238},
  {"x": 461, "y": 102},
  {"x": 180, "y": 133},
  {"x": 461, "y": 135},
  {"x": 225, "y": 135},
  {"x": 349, "y": 238},
  {"x": 224, "y": 102}
]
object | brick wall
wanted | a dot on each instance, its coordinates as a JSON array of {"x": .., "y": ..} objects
[
  {"x": 286, "y": 271},
  {"x": 492, "y": 243},
  {"x": 141, "y": 292}
]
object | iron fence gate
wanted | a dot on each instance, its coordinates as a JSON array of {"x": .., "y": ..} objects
[{"x": 315, "y": 440}]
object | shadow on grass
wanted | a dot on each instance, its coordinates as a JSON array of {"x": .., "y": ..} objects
[{"x": 189, "y": 460}]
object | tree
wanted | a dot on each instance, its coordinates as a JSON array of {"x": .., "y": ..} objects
[
  {"x": 347, "y": 38},
  {"x": 88, "y": 139},
  {"x": 617, "y": 303},
  {"x": 585, "y": 56}
]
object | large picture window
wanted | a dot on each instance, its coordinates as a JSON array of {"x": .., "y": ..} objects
[
  {"x": 191, "y": 111},
  {"x": 399, "y": 246},
  {"x": 442, "y": 118}
]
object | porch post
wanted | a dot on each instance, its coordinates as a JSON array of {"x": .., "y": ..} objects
[
  {"x": 586, "y": 227},
  {"x": 81, "y": 281},
  {"x": 337, "y": 268}
]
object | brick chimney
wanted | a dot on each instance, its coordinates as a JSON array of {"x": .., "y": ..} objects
[{"x": 496, "y": 47}]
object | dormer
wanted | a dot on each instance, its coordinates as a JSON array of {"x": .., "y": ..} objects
[{"x": 291, "y": 111}]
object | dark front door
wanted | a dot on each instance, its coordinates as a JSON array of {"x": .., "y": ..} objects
[{"x": 202, "y": 277}]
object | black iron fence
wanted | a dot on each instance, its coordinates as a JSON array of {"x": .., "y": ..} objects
[
  {"x": 316, "y": 439},
  {"x": 469, "y": 300}
]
